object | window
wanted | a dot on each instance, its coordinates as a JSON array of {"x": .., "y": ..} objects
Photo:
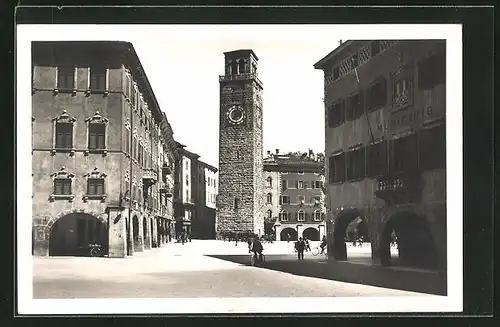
[
  {"x": 236, "y": 203},
  {"x": 269, "y": 198},
  {"x": 402, "y": 93},
  {"x": 133, "y": 95},
  {"x": 300, "y": 184},
  {"x": 377, "y": 94},
  {"x": 139, "y": 154},
  {"x": 301, "y": 172},
  {"x": 404, "y": 154},
  {"x": 66, "y": 78},
  {"x": 316, "y": 200},
  {"x": 354, "y": 61},
  {"x": 318, "y": 184},
  {"x": 301, "y": 199},
  {"x": 336, "y": 168},
  {"x": 375, "y": 47},
  {"x": 62, "y": 186},
  {"x": 336, "y": 114},
  {"x": 355, "y": 107},
  {"x": 269, "y": 214},
  {"x": 64, "y": 135},
  {"x": 97, "y": 136},
  {"x": 187, "y": 195},
  {"x": 317, "y": 215},
  {"x": 98, "y": 78},
  {"x": 284, "y": 185},
  {"x": 269, "y": 182},
  {"x": 95, "y": 186},
  {"x": 432, "y": 148},
  {"x": 336, "y": 73},
  {"x": 127, "y": 140},
  {"x": 301, "y": 216},
  {"x": 187, "y": 180},
  {"x": 432, "y": 71},
  {"x": 283, "y": 216},
  {"x": 376, "y": 159},
  {"x": 284, "y": 199},
  {"x": 241, "y": 67},
  {"x": 356, "y": 164}
]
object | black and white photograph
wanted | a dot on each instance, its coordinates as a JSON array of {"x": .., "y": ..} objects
[{"x": 239, "y": 168}]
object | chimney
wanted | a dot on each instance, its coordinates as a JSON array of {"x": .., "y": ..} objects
[
  {"x": 277, "y": 151},
  {"x": 268, "y": 153}
]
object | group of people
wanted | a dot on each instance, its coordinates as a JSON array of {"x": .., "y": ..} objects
[
  {"x": 303, "y": 244},
  {"x": 184, "y": 236}
]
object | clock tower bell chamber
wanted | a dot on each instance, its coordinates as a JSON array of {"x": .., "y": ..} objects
[{"x": 240, "y": 199}]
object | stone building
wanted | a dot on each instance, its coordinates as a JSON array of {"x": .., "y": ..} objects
[
  {"x": 240, "y": 201},
  {"x": 294, "y": 195},
  {"x": 99, "y": 141},
  {"x": 385, "y": 146},
  {"x": 185, "y": 188},
  {"x": 203, "y": 224}
]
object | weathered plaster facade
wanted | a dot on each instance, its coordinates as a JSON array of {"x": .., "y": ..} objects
[
  {"x": 297, "y": 197},
  {"x": 407, "y": 110},
  {"x": 130, "y": 182}
]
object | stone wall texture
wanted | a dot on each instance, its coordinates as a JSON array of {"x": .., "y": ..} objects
[{"x": 241, "y": 160}]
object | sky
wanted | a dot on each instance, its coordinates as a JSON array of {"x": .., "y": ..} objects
[{"x": 184, "y": 76}]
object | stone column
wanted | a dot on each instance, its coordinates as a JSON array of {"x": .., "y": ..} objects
[
  {"x": 117, "y": 234},
  {"x": 147, "y": 240},
  {"x": 139, "y": 242},
  {"x": 41, "y": 236},
  {"x": 154, "y": 237}
]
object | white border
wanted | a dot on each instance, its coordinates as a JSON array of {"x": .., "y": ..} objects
[{"x": 451, "y": 303}]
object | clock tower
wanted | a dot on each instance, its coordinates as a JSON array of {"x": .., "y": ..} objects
[{"x": 241, "y": 196}]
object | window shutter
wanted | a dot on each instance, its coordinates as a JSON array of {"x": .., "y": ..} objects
[
  {"x": 296, "y": 184},
  {"x": 67, "y": 188},
  {"x": 100, "y": 187}
]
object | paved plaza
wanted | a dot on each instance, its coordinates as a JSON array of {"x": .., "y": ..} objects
[{"x": 195, "y": 269}]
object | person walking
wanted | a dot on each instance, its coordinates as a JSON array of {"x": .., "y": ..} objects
[
  {"x": 323, "y": 244},
  {"x": 300, "y": 247},
  {"x": 308, "y": 244}
]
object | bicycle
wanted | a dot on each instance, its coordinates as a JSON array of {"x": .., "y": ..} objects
[
  {"x": 317, "y": 250},
  {"x": 96, "y": 250},
  {"x": 255, "y": 261}
]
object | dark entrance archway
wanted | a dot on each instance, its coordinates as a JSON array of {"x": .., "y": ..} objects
[
  {"x": 153, "y": 241},
  {"x": 288, "y": 234},
  {"x": 349, "y": 225},
  {"x": 414, "y": 240},
  {"x": 72, "y": 234},
  {"x": 129, "y": 236},
  {"x": 311, "y": 234},
  {"x": 135, "y": 229}
]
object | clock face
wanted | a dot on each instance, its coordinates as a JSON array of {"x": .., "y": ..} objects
[{"x": 235, "y": 115}]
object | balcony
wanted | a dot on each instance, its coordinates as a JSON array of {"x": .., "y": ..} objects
[
  {"x": 166, "y": 189},
  {"x": 149, "y": 176},
  {"x": 166, "y": 170},
  {"x": 399, "y": 188},
  {"x": 240, "y": 77}
]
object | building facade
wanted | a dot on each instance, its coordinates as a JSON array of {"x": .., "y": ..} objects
[
  {"x": 385, "y": 146},
  {"x": 186, "y": 183},
  {"x": 294, "y": 195},
  {"x": 240, "y": 202},
  {"x": 203, "y": 225},
  {"x": 95, "y": 151}
]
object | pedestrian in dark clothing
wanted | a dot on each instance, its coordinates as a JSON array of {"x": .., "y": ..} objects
[
  {"x": 183, "y": 237},
  {"x": 300, "y": 246},
  {"x": 323, "y": 244}
]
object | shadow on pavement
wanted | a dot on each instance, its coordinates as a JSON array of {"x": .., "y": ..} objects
[{"x": 413, "y": 280}]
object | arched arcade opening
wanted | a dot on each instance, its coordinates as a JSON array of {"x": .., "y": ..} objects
[
  {"x": 311, "y": 234},
  {"x": 350, "y": 226},
  {"x": 72, "y": 234},
  {"x": 412, "y": 236},
  {"x": 288, "y": 234}
]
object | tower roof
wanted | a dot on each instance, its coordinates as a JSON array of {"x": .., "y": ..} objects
[{"x": 240, "y": 53}]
